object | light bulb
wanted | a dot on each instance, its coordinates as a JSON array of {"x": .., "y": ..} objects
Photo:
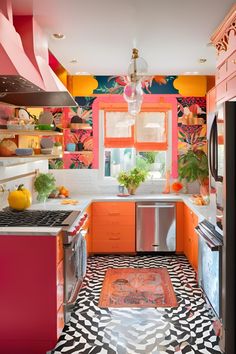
[
  {"x": 138, "y": 68},
  {"x": 133, "y": 92}
]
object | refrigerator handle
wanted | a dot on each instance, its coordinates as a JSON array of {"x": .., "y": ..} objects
[
  {"x": 212, "y": 149},
  {"x": 217, "y": 177}
]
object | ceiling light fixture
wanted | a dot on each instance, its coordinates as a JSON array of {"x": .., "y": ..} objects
[
  {"x": 74, "y": 61},
  {"x": 133, "y": 92},
  {"x": 58, "y": 36},
  {"x": 202, "y": 60}
]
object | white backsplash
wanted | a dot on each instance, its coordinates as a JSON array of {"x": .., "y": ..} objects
[
  {"x": 87, "y": 181},
  {"x": 16, "y": 171}
]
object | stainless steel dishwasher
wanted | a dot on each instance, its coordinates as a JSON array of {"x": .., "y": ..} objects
[{"x": 155, "y": 227}]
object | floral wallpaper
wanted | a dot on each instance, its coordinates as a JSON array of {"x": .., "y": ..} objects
[{"x": 191, "y": 124}]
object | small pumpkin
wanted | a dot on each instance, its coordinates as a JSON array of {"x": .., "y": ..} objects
[{"x": 20, "y": 199}]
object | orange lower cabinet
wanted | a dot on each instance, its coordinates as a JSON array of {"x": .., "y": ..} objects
[
  {"x": 190, "y": 237},
  {"x": 113, "y": 227}
]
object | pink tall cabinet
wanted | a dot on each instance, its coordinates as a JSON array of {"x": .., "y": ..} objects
[
  {"x": 31, "y": 295},
  {"x": 224, "y": 39}
]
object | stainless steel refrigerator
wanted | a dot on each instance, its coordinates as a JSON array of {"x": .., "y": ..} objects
[{"x": 222, "y": 156}]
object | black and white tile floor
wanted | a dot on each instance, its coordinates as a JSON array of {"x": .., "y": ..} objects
[{"x": 187, "y": 329}]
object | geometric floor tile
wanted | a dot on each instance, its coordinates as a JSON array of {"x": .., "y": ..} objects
[{"x": 186, "y": 329}]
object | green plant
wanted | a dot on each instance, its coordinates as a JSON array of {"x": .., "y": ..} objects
[
  {"x": 44, "y": 184},
  {"x": 132, "y": 179},
  {"x": 193, "y": 166},
  {"x": 57, "y": 143},
  {"x": 149, "y": 156}
]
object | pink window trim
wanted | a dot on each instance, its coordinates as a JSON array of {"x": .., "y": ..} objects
[{"x": 110, "y": 99}]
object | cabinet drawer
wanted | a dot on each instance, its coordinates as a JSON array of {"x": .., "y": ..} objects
[
  {"x": 60, "y": 321},
  {"x": 113, "y": 221},
  {"x": 115, "y": 233},
  {"x": 123, "y": 240},
  {"x": 114, "y": 208},
  {"x": 59, "y": 248}
]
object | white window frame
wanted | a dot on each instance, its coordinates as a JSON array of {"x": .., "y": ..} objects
[{"x": 111, "y": 181}]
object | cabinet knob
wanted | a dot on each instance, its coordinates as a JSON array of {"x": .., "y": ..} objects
[{"x": 233, "y": 61}]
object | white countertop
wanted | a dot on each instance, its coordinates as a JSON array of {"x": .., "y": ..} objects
[{"x": 203, "y": 212}]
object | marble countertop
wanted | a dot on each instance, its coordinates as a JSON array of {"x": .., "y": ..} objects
[{"x": 203, "y": 212}]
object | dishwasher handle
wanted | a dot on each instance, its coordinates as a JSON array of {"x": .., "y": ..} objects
[
  {"x": 213, "y": 244},
  {"x": 156, "y": 206}
]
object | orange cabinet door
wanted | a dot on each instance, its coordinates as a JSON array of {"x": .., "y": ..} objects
[
  {"x": 113, "y": 227},
  {"x": 190, "y": 237}
]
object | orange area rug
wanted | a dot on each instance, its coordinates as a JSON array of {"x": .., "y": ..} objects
[{"x": 137, "y": 287}]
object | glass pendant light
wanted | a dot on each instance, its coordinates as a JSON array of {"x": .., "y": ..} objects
[{"x": 133, "y": 92}]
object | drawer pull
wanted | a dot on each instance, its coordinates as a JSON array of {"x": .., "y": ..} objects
[
  {"x": 114, "y": 238},
  {"x": 114, "y": 213}
]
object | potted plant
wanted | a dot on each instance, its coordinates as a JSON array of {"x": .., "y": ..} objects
[
  {"x": 44, "y": 184},
  {"x": 132, "y": 179},
  {"x": 193, "y": 166},
  {"x": 57, "y": 148}
]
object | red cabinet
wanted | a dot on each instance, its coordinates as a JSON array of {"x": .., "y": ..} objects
[
  {"x": 113, "y": 227},
  {"x": 31, "y": 296}
]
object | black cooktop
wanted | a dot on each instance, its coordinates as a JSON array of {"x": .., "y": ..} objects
[{"x": 48, "y": 218}]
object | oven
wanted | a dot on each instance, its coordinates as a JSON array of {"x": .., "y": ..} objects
[{"x": 75, "y": 263}]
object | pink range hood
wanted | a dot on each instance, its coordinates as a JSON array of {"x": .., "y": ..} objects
[{"x": 26, "y": 78}]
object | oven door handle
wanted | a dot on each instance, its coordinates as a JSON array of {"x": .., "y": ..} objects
[
  {"x": 74, "y": 294},
  {"x": 209, "y": 243}
]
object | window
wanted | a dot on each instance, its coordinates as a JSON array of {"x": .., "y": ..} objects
[{"x": 142, "y": 142}]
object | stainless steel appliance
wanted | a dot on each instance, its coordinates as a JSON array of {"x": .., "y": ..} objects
[
  {"x": 209, "y": 263},
  {"x": 71, "y": 223},
  {"x": 75, "y": 262},
  {"x": 222, "y": 160},
  {"x": 155, "y": 227}
]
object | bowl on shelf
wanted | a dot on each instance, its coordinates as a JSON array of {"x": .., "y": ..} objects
[
  {"x": 46, "y": 151},
  {"x": 24, "y": 151},
  {"x": 70, "y": 147},
  {"x": 45, "y": 126}
]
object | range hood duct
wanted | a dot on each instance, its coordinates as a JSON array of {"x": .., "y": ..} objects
[{"x": 26, "y": 78}]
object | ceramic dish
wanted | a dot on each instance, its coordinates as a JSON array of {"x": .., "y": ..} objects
[
  {"x": 24, "y": 151},
  {"x": 46, "y": 151}
]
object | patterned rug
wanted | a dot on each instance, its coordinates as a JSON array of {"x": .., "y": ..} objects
[{"x": 137, "y": 287}]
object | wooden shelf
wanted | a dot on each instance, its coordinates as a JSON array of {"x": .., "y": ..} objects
[
  {"x": 84, "y": 152},
  {"x": 30, "y": 132},
  {"x": 40, "y": 156}
]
